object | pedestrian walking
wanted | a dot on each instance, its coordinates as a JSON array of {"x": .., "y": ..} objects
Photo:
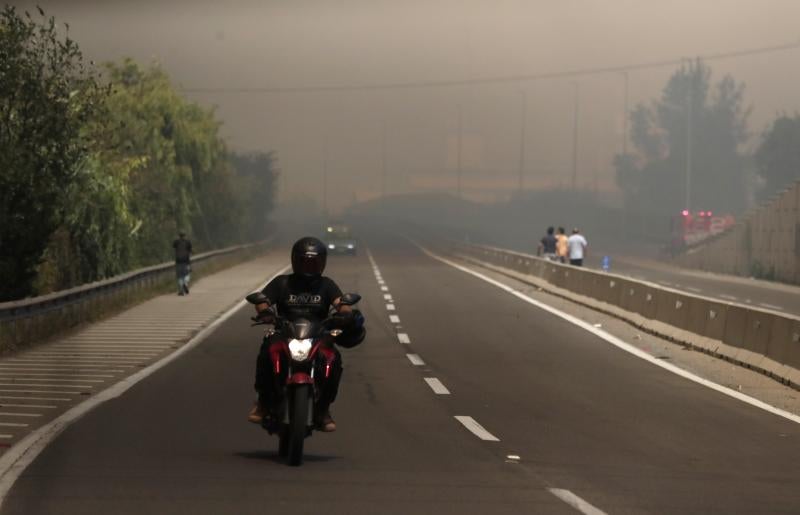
[
  {"x": 562, "y": 245},
  {"x": 577, "y": 248},
  {"x": 183, "y": 262},
  {"x": 547, "y": 245}
]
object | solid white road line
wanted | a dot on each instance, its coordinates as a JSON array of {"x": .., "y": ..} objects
[
  {"x": 394, "y": 319},
  {"x": 403, "y": 338},
  {"x": 696, "y": 290},
  {"x": 478, "y": 430},
  {"x": 413, "y": 358},
  {"x": 771, "y": 306},
  {"x": 14, "y": 461},
  {"x": 437, "y": 386},
  {"x": 390, "y": 307},
  {"x": 576, "y": 502},
  {"x": 728, "y": 297},
  {"x": 617, "y": 342}
]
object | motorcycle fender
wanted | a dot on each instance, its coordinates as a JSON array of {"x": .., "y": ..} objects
[{"x": 299, "y": 378}]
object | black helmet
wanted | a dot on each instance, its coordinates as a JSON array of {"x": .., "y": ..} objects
[{"x": 309, "y": 256}]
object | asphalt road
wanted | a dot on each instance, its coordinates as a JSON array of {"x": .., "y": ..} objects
[{"x": 585, "y": 420}]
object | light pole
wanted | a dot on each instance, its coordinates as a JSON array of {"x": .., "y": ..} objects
[
  {"x": 689, "y": 107},
  {"x": 625, "y": 116},
  {"x": 521, "y": 185},
  {"x": 575, "y": 136},
  {"x": 458, "y": 154},
  {"x": 325, "y": 179},
  {"x": 383, "y": 161}
]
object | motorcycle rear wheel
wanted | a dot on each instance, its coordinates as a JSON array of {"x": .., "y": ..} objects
[{"x": 298, "y": 424}]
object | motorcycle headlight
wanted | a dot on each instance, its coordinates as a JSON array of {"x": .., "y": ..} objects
[
  {"x": 299, "y": 349},
  {"x": 331, "y": 246},
  {"x": 350, "y": 246}
]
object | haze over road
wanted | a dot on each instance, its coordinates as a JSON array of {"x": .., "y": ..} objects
[{"x": 581, "y": 415}]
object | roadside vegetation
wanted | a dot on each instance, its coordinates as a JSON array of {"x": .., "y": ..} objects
[{"x": 101, "y": 166}]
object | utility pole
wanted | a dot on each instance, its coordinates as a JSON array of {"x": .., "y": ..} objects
[
  {"x": 625, "y": 117},
  {"x": 383, "y": 161},
  {"x": 325, "y": 180},
  {"x": 689, "y": 106},
  {"x": 575, "y": 136},
  {"x": 458, "y": 154},
  {"x": 521, "y": 184}
]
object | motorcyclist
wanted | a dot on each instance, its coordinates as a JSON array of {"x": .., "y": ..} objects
[{"x": 305, "y": 293}]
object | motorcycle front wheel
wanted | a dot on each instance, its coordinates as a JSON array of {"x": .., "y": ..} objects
[{"x": 298, "y": 423}]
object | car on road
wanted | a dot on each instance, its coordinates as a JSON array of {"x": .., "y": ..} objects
[{"x": 340, "y": 240}]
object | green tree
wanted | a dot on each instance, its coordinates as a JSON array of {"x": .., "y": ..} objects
[
  {"x": 256, "y": 175},
  {"x": 654, "y": 178},
  {"x": 778, "y": 155},
  {"x": 47, "y": 96}
]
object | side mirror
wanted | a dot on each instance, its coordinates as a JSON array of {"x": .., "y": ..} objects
[
  {"x": 256, "y": 298},
  {"x": 349, "y": 299}
]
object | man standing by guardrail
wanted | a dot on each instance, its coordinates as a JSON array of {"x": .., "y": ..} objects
[
  {"x": 183, "y": 258},
  {"x": 577, "y": 248}
]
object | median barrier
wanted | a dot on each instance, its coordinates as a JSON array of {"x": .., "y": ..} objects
[
  {"x": 33, "y": 319},
  {"x": 758, "y": 339}
]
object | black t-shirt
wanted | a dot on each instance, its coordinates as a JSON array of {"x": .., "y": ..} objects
[
  {"x": 297, "y": 296},
  {"x": 183, "y": 250},
  {"x": 549, "y": 244}
]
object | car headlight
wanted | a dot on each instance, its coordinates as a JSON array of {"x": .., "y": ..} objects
[
  {"x": 299, "y": 349},
  {"x": 350, "y": 246},
  {"x": 331, "y": 246}
]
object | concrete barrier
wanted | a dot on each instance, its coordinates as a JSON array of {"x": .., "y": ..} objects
[{"x": 763, "y": 340}]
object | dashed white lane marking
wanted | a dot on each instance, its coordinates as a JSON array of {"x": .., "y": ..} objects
[
  {"x": 665, "y": 283},
  {"x": 415, "y": 360},
  {"x": 437, "y": 386},
  {"x": 696, "y": 290},
  {"x": 384, "y": 288},
  {"x": 7, "y": 414},
  {"x": 728, "y": 297},
  {"x": 619, "y": 343},
  {"x": 771, "y": 306},
  {"x": 13, "y": 424},
  {"x": 387, "y": 297},
  {"x": 576, "y": 502},
  {"x": 394, "y": 319},
  {"x": 478, "y": 430},
  {"x": 403, "y": 338},
  {"x": 6, "y": 436},
  {"x": 390, "y": 307}
]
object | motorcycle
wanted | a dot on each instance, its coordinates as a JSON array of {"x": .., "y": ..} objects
[{"x": 306, "y": 349}]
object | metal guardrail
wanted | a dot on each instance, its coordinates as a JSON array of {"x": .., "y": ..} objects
[
  {"x": 26, "y": 320},
  {"x": 759, "y": 339}
]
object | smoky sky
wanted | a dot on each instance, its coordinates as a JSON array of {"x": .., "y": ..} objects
[{"x": 246, "y": 45}]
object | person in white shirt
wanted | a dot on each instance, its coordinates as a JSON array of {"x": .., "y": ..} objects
[{"x": 577, "y": 248}]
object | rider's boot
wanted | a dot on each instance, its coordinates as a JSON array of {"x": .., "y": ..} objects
[
  {"x": 257, "y": 413},
  {"x": 325, "y": 422}
]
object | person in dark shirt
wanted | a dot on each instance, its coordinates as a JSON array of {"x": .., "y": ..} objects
[
  {"x": 547, "y": 245},
  {"x": 307, "y": 294},
  {"x": 183, "y": 260}
]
